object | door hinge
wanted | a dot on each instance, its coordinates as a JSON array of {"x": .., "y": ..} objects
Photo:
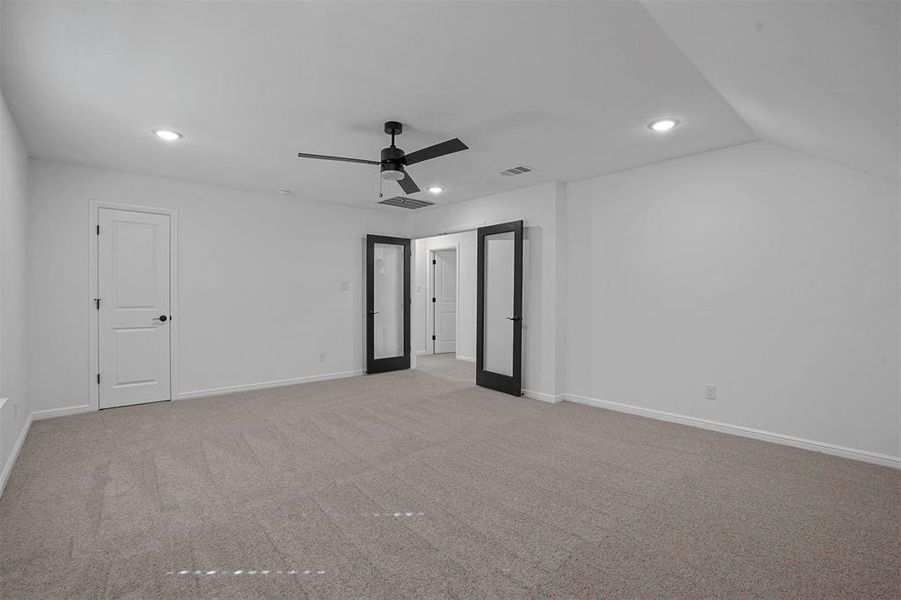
[
  {"x": 97, "y": 303},
  {"x": 98, "y": 378},
  {"x": 98, "y": 230},
  {"x": 433, "y": 338},
  {"x": 434, "y": 262},
  {"x": 433, "y": 299}
]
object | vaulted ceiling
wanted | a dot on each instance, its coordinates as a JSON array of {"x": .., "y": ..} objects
[
  {"x": 821, "y": 77},
  {"x": 566, "y": 88}
]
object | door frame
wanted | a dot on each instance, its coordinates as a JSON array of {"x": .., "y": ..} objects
[
  {"x": 430, "y": 307},
  {"x": 94, "y": 287},
  {"x": 511, "y": 384},
  {"x": 393, "y": 363}
]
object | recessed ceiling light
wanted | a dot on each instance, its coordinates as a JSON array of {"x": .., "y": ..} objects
[
  {"x": 662, "y": 125},
  {"x": 167, "y": 134},
  {"x": 436, "y": 189},
  {"x": 284, "y": 191}
]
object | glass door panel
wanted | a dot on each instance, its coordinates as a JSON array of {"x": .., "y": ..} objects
[
  {"x": 388, "y": 297},
  {"x": 497, "y": 346}
]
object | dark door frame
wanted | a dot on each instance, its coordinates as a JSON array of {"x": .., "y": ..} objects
[
  {"x": 496, "y": 381},
  {"x": 393, "y": 363}
]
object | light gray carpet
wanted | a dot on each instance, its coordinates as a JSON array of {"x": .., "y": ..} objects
[
  {"x": 446, "y": 366},
  {"x": 418, "y": 484}
]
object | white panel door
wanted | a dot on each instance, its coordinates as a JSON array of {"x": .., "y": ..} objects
[
  {"x": 445, "y": 289},
  {"x": 133, "y": 273}
]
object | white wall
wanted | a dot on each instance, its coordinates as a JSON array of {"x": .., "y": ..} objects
[
  {"x": 259, "y": 281},
  {"x": 13, "y": 225},
  {"x": 772, "y": 274},
  {"x": 537, "y": 206},
  {"x": 465, "y": 242}
]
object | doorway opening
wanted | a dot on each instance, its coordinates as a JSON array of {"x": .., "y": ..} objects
[
  {"x": 453, "y": 309},
  {"x": 444, "y": 304}
]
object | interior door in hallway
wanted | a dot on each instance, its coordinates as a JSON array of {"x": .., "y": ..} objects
[
  {"x": 444, "y": 301},
  {"x": 133, "y": 303}
]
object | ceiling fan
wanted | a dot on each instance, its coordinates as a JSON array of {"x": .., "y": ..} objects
[{"x": 394, "y": 161}]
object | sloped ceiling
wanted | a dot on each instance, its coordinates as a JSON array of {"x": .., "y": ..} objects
[
  {"x": 821, "y": 77},
  {"x": 566, "y": 88}
]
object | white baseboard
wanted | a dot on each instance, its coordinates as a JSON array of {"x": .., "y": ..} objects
[
  {"x": 232, "y": 389},
  {"x": 542, "y": 396},
  {"x": 466, "y": 358},
  {"x": 61, "y": 412},
  {"x": 8, "y": 466},
  {"x": 757, "y": 434}
]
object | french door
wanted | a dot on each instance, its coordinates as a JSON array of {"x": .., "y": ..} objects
[
  {"x": 499, "y": 308},
  {"x": 387, "y": 303}
]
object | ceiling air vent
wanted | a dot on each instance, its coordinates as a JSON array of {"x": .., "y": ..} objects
[
  {"x": 402, "y": 202},
  {"x": 517, "y": 170}
]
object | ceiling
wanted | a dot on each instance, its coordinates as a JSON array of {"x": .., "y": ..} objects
[
  {"x": 566, "y": 88},
  {"x": 821, "y": 77}
]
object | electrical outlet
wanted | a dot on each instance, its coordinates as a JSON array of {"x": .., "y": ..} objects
[
  {"x": 322, "y": 357},
  {"x": 345, "y": 286},
  {"x": 710, "y": 391}
]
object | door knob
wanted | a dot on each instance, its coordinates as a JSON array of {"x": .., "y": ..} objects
[
  {"x": 163, "y": 318},
  {"x": 373, "y": 313},
  {"x": 514, "y": 318}
]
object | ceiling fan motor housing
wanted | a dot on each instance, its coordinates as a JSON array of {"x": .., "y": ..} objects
[{"x": 392, "y": 166}]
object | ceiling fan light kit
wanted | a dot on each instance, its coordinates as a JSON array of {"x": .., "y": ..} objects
[
  {"x": 389, "y": 173},
  {"x": 394, "y": 161}
]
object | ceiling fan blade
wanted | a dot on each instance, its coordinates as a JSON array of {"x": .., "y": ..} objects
[
  {"x": 409, "y": 186},
  {"x": 448, "y": 147},
  {"x": 339, "y": 158}
]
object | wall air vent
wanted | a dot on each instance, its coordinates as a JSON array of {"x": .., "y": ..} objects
[
  {"x": 517, "y": 170},
  {"x": 403, "y": 202}
]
